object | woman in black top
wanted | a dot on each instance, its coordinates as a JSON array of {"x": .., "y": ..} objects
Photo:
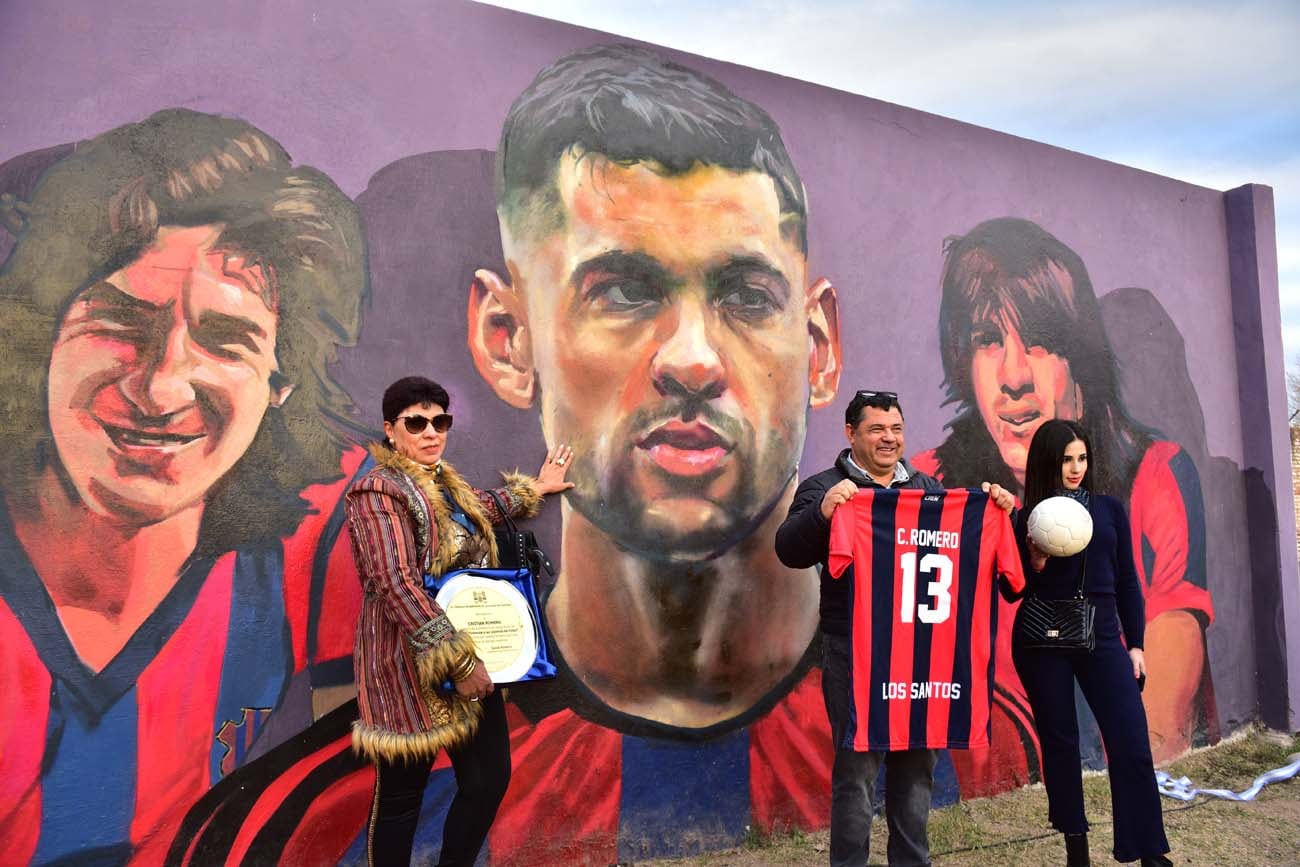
[{"x": 1110, "y": 675}]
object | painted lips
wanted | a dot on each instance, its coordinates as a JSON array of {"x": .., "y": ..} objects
[
  {"x": 1020, "y": 419},
  {"x": 149, "y": 447},
  {"x": 131, "y": 437},
  {"x": 685, "y": 448}
]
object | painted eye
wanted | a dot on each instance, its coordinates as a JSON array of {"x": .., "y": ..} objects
[
  {"x": 228, "y": 337},
  {"x": 750, "y": 301},
  {"x": 118, "y": 330},
  {"x": 747, "y": 294},
  {"x": 127, "y": 326},
  {"x": 623, "y": 294}
]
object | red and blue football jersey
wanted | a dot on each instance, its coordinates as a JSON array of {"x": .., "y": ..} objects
[
  {"x": 924, "y": 613},
  {"x": 221, "y": 670},
  {"x": 581, "y": 793}
]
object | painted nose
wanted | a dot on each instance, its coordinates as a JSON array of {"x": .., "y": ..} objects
[
  {"x": 162, "y": 383},
  {"x": 687, "y": 363},
  {"x": 1016, "y": 377}
]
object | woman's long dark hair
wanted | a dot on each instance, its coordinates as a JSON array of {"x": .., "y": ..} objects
[{"x": 1046, "y": 455}]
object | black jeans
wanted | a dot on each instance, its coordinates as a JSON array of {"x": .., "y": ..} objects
[
  {"x": 1106, "y": 678},
  {"x": 482, "y": 774},
  {"x": 909, "y": 780}
]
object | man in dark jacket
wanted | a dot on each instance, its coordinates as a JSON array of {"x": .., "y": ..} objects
[{"x": 873, "y": 425}]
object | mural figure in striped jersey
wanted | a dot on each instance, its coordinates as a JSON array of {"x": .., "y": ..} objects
[
  {"x": 176, "y": 292},
  {"x": 1023, "y": 341},
  {"x": 659, "y": 309}
]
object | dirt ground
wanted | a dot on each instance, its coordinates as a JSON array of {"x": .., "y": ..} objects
[{"x": 1012, "y": 831}]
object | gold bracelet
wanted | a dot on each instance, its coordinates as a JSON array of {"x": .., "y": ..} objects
[{"x": 464, "y": 668}]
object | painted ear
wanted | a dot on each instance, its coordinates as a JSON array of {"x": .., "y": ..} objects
[
  {"x": 281, "y": 388},
  {"x": 825, "y": 362},
  {"x": 499, "y": 339}
]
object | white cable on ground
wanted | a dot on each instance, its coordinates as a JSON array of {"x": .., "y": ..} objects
[{"x": 1183, "y": 790}]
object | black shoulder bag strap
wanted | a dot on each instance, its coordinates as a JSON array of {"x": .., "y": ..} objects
[{"x": 518, "y": 549}]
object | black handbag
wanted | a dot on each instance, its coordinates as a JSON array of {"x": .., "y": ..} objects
[
  {"x": 518, "y": 549},
  {"x": 1057, "y": 624}
]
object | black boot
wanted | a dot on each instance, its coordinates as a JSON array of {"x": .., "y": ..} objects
[
  {"x": 1156, "y": 861},
  {"x": 1076, "y": 850}
]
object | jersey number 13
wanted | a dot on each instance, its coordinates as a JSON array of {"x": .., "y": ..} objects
[{"x": 938, "y": 606}]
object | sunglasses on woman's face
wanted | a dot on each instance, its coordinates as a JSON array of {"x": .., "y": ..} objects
[{"x": 415, "y": 424}]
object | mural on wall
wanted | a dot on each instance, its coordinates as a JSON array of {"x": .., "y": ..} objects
[
  {"x": 1023, "y": 342},
  {"x": 648, "y": 291},
  {"x": 176, "y": 294},
  {"x": 200, "y": 331},
  {"x": 659, "y": 310}
]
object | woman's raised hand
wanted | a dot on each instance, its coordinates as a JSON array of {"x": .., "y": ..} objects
[{"x": 550, "y": 478}]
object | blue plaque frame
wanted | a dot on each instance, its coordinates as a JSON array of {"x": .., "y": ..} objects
[{"x": 522, "y": 580}]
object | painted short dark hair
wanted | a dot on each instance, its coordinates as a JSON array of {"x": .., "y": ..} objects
[
  {"x": 875, "y": 400},
  {"x": 1014, "y": 268},
  {"x": 413, "y": 391},
  {"x": 97, "y": 209},
  {"x": 1046, "y": 453},
  {"x": 632, "y": 106}
]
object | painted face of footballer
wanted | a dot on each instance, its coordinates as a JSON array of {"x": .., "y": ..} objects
[{"x": 673, "y": 357}]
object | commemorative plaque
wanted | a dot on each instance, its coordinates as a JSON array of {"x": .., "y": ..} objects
[{"x": 499, "y": 617}]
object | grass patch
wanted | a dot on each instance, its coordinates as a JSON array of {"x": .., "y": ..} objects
[
  {"x": 1236, "y": 763},
  {"x": 959, "y": 827},
  {"x": 1011, "y": 830}
]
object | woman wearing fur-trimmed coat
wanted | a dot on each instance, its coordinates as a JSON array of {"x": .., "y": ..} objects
[{"x": 409, "y": 516}]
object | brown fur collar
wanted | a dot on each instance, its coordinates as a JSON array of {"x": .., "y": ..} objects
[{"x": 432, "y": 482}]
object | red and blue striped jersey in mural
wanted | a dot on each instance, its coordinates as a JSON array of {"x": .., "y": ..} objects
[
  {"x": 583, "y": 793},
  {"x": 580, "y": 792},
  {"x": 924, "y": 613},
  {"x": 626, "y": 798},
  {"x": 103, "y": 766}
]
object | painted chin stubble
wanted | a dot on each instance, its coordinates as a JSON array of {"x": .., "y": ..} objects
[{"x": 614, "y": 504}]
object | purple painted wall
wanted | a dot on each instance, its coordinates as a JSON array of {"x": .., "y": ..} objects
[
  {"x": 402, "y": 107},
  {"x": 416, "y": 87}
]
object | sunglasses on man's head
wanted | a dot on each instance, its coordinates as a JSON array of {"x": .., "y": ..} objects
[
  {"x": 415, "y": 424},
  {"x": 889, "y": 395}
]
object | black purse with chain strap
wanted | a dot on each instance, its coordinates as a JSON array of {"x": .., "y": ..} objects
[{"x": 1057, "y": 624}]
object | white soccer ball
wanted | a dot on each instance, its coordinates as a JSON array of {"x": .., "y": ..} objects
[{"x": 1060, "y": 526}]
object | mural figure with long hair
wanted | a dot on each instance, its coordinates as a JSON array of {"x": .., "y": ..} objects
[
  {"x": 176, "y": 293},
  {"x": 1023, "y": 342}
]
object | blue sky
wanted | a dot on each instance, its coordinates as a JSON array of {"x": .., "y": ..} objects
[{"x": 1207, "y": 92}]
